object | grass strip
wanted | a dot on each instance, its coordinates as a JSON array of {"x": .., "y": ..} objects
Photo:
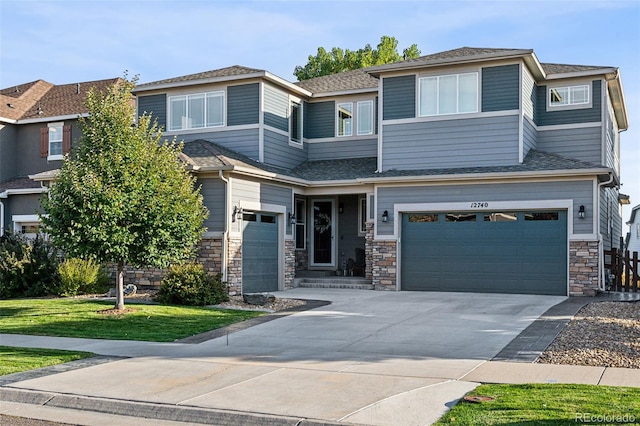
[
  {"x": 16, "y": 360},
  {"x": 95, "y": 319},
  {"x": 547, "y": 404}
]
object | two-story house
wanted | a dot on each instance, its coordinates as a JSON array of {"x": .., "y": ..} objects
[
  {"x": 38, "y": 123},
  {"x": 478, "y": 170}
]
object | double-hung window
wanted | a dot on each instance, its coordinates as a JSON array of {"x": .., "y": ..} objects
[
  {"x": 196, "y": 111},
  {"x": 448, "y": 94},
  {"x": 55, "y": 140},
  {"x": 569, "y": 95},
  {"x": 363, "y": 118}
]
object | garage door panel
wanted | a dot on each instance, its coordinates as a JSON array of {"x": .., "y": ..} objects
[
  {"x": 260, "y": 253},
  {"x": 510, "y": 256}
]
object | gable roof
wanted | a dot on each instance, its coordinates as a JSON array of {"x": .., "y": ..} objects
[
  {"x": 349, "y": 81},
  {"x": 234, "y": 70},
  {"x": 41, "y": 100}
]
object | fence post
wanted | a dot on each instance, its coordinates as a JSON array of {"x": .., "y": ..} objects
[
  {"x": 635, "y": 272},
  {"x": 627, "y": 271}
]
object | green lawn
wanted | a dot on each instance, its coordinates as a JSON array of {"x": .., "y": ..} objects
[
  {"x": 15, "y": 360},
  {"x": 547, "y": 404},
  {"x": 83, "y": 318}
]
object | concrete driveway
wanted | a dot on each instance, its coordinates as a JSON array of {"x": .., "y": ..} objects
[{"x": 369, "y": 357}]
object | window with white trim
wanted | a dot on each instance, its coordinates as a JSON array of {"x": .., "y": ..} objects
[
  {"x": 295, "y": 122},
  {"x": 569, "y": 95},
  {"x": 361, "y": 119},
  {"x": 55, "y": 140},
  {"x": 195, "y": 111},
  {"x": 448, "y": 94}
]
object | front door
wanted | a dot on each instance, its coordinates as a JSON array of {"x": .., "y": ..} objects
[{"x": 322, "y": 220}]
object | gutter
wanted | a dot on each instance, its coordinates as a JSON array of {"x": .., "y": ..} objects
[
  {"x": 601, "y": 280},
  {"x": 225, "y": 234},
  {"x": 1, "y": 218}
]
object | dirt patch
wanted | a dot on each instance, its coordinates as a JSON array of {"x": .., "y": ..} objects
[{"x": 114, "y": 311}]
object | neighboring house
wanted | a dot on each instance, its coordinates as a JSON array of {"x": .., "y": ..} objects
[
  {"x": 633, "y": 237},
  {"x": 38, "y": 122},
  {"x": 477, "y": 170},
  {"x": 467, "y": 170}
]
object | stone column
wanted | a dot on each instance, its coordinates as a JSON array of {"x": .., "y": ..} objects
[
  {"x": 210, "y": 255},
  {"x": 368, "y": 250},
  {"x": 583, "y": 268},
  {"x": 234, "y": 266},
  {"x": 384, "y": 266},
  {"x": 289, "y": 263}
]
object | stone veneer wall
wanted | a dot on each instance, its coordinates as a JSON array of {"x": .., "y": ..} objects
[
  {"x": 302, "y": 259},
  {"x": 368, "y": 251},
  {"x": 234, "y": 266},
  {"x": 583, "y": 268},
  {"x": 289, "y": 263},
  {"x": 384, "y": 265},
  {"x": 209, "y": 254}
]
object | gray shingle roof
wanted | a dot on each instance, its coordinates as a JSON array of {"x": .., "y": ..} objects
[
  {"x": 347, "y": 169},
  {"x": 19, "y": 183},
  {"x": 346, "y": 80},
  {"x": 566, "y": 68},
  {"x": 222, "y": 72}
]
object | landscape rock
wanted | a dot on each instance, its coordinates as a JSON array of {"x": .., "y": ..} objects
[{"x": 260, "y": 299}]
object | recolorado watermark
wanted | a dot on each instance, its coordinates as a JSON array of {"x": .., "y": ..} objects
[{"x": 604, "y": 418}]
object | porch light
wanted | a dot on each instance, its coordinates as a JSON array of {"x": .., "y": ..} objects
[
  {"x": 385, "y": 216},
  {"x": 581, "y": 212},
  {"x": 236, "y": 211},
  {"x": 292, "y": 219}
]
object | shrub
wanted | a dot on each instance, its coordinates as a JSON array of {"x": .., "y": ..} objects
[
  {"x": 28, "y": 268},
  {"x": 81, "y": 276},
  {"x": 189, "y": 284}
]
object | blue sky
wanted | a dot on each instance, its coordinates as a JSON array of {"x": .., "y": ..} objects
[{"x": 71, "y": 41}]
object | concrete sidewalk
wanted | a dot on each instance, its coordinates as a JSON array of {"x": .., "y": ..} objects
[{"x": 368, "y": 358}]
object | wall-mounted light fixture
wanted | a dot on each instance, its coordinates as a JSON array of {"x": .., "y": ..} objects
[
  {"x": 341, "y": 208},
  {"x": 292, "y": 219},
  {"x": 236, "y": 211},
  {"x": 385, "y": 216},
  {"x": 581, "y": 212}
]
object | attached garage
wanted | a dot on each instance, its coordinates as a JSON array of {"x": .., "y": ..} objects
[
  {"x": 259, "y": 252},
  {"x": 487, "y": 252}
]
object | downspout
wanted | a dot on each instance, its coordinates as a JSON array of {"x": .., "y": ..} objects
[
  {"x": 225, "y": 234},
  {"x": 1, "y": 218},
  {"x": 601, "y": 280}
]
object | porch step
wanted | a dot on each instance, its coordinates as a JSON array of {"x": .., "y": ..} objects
[{"x": 352, "y": 283}]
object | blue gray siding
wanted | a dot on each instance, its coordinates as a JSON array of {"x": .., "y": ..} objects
[
  {"x": 276, "y": 108},
  {"x": 612, "y": 147},
  {"x": 530, "y": 136},
  {"x": 258, "y": 192},
  {"x": 476, "y": 142},
  {"x": 572, "y": 116},
  {"x": 28, "y": 160},
  {"x": 348, "y": 148},
  {"x": 8, "y": 151},
  {"x": 243, "y": 104},
  {"x": 609, "y": 217},
  {"x": 156, "y": 105},
  {"x": 580, "y": 191},
  {"x": 213, "y": 194},
  {"x": 581, "y": 144},
  {"x": 501, "y": 88},
  {"x": 399, "y": 97},
  {"x": 319, "y": 120},
  {"x": 278, "y": 152},
  {"x": 23, "y": 204},
  {"x": 243, "y": 141}
]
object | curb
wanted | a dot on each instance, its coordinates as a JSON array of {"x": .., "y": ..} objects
[{"x": 155, "y": 411}]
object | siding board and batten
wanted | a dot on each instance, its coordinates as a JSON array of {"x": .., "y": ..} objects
[
  {"x": 501, "y": 88},
  {"x": 243, "y": 104},
  {"x": 399, "y": 97},
  {"x": 156, "y": 106},
  {"x": 320, "y": 120}
]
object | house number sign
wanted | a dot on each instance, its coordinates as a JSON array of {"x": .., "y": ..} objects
[{"x": 479, "y": 205}]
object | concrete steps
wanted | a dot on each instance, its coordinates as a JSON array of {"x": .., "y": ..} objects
[{"x": 352, "y": 283}]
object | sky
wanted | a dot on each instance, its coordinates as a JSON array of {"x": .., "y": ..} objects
[{"x": 74, "y": 41}]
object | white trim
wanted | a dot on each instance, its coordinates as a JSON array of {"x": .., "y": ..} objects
[
  {"x": 22, "y": 191},
  {"x": 521, "y": 115},
  {"x": 451, "y": 73},
  {"x": 222, "y": 92},
  {"x": 447, "y": 117},
  {"x": 337, "y": 118},
  {"x": 568, "y": 86},
  {"x": 55, "y": 157},
  {"x": 295, "y": 100},
  {"x": 342, "y": 139},
  {"x": 343, "y": 93},
  {"x": 372, "y": 117},
  {"x": 211, "y": 129},
  {"x": 261, "y": 121},
  {"x": 1, "y": 218}
]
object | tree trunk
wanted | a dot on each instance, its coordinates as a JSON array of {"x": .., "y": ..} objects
[{"x": 120, "y": 287}]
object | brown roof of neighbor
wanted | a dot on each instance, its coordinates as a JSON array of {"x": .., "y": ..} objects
[
  {"x": 41, "y": 99},
  {"x": 222, "y": 72},
  {"x": 346, "y": 80}
]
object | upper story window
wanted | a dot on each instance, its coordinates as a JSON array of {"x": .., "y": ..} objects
[
  {"x": 448, "y": 94},
  {"x": 295, "y": 122},
  {"x": 196, "y": 111},
  {"x": 55, "y": 139},
  {"x": 363, "y": 118},
  {"x": 569, "y": 95}
]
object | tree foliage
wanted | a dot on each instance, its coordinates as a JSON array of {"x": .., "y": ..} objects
[
  {"x": 123, "y": 196},
  {"x": 337, "y": 60}
]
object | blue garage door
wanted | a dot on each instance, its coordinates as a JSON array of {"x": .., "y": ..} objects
[
  {"x": 488, "y": 252},
  {"x": 259, "y": 253}
]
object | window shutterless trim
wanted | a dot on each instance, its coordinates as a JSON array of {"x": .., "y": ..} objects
[
  {"x": 438, "y": 89},
  {"x": 187, "y": 118},
  {"x": 360, "y": 115}
]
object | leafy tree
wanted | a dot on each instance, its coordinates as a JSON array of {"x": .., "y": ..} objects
[
  {"x": 338, "y": 60},
  {"x": 123, "y": 196}
]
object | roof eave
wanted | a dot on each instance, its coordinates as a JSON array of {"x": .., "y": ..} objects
[
  {"x": 148, "y": 87},
  {"x": 53, "y": 118},
  {"x": 317, "y": 95},
  {"x": 287, "y": 84}
]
